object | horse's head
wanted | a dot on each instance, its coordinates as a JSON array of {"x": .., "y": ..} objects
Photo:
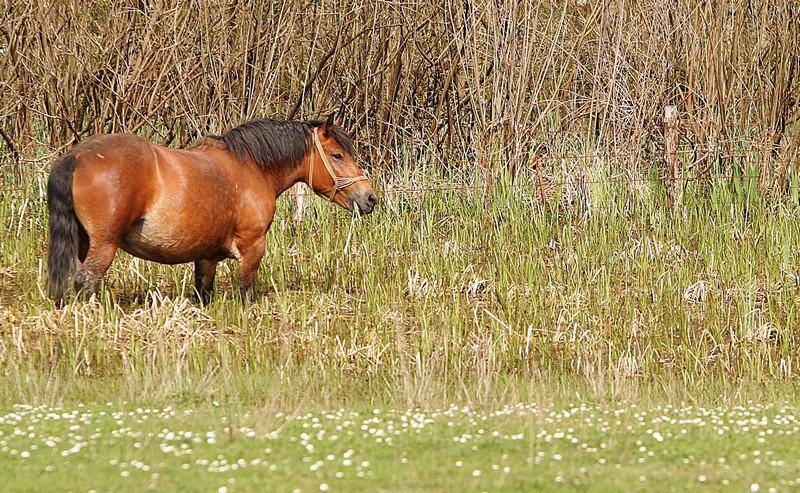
[{"x": 334, "y": 174}]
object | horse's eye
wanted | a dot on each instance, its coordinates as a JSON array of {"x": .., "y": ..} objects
[{"x": 336, "y": 155}]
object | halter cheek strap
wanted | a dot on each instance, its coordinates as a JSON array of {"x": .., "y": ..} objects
[{"x": 338, "y": 182}]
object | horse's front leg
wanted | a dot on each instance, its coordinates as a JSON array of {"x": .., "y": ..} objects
[
  {"x": 251, "y": 250},
  {"x": 204, "y": 272}
]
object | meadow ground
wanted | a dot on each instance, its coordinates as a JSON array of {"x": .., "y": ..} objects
[
  {"x": 463, "y": 340},
  {"x": 576, "y": 447}
]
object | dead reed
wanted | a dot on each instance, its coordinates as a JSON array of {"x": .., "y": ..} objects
[{"x": 483, "y": 82}]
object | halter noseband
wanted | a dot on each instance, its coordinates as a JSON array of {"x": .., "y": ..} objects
[{"x": 338, "y": 182}]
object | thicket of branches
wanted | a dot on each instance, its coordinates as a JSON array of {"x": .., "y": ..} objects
[{"x": 490, "y": 81}]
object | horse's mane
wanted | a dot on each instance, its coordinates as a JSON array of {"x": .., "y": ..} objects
[{"x": 276, "y": 143}]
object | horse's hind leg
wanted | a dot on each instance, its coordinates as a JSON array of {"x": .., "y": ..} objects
[
  {"x": 204, "y": 272},
  {"x": 90, "y": 273}
]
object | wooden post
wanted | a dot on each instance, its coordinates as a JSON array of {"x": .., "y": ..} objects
[
  {"x": 297, "y": 194},
  {"x": 671, "y": 152}
]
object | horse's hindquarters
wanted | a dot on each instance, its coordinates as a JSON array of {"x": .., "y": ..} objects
[{"x": 155, "y": 203}]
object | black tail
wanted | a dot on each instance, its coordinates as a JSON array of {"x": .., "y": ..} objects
[{"x": 64, "y": 229}]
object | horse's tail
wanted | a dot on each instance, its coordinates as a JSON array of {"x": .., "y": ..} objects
[{"x": 64, "y": 229}]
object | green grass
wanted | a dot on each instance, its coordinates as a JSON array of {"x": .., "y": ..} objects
[
  {"x": 597, "y": 295},
  {"x": 516, "y": 448}
]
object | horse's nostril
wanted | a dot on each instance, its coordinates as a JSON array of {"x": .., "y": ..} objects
[{"x": 372, "y": 199}]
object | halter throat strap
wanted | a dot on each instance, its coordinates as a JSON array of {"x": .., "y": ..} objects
[{"x": 338, "y": 182}]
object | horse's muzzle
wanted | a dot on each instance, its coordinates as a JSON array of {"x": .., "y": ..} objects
[{"x": 365, "y": 201}]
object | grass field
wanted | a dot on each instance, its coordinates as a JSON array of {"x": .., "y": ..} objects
[
  {"x": 596, "y": 316},
  {"x": 515, "y": 448}
]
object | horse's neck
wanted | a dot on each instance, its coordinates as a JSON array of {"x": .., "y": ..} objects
[{"x": 284, "y": 177}]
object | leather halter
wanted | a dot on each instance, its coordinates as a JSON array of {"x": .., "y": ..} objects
[{"x": 338, "y": 182}]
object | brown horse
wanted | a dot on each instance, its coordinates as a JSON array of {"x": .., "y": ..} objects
[{"x": 202, "y": 205}]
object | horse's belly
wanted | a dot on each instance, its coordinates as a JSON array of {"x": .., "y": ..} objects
[{"x": 171, "y": 241}]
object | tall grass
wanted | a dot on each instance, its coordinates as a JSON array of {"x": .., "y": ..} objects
[{"x": 461, "y": 294}]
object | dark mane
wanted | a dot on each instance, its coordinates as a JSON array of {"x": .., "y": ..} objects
[{"x": 275, "y": 143}]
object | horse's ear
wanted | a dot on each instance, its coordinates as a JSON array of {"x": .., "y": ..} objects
[{"x": 330, "y": 122}]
